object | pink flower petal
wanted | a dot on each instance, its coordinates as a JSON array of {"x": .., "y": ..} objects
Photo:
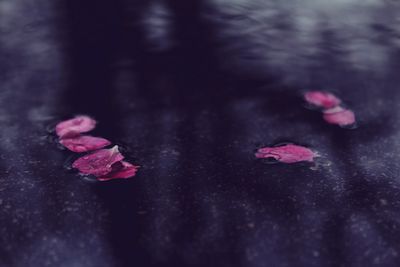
[
  {"x": 339, "y": 116},
  {"x": 322, "y": 99},
  {"x": 98, "y": 163},
  {"x": 123, "y": 171},
  {"x": 84, "y": 143},
  {"x": 75, "y": 126},
  {"x": 289, "y": 153}
]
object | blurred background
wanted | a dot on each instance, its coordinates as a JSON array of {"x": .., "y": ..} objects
[{"x": 189, "y": 90}]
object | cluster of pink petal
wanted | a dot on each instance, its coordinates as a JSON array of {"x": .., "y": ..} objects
[
  {"x": 289, "y": 153},
  {"x": 105, "y": 164},
  {"x": 333, "y": 113}
]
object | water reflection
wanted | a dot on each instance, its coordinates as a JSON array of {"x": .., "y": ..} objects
[
  {"x": 192, "y": 111},
  {"x": 284, "y": 37}
]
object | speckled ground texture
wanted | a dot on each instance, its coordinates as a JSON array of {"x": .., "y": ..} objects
[{"x": 189, "y": 90}]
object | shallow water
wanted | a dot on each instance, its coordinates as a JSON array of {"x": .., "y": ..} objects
[{"x": 191, "y": 95}]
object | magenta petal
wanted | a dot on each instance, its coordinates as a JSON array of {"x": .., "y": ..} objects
[
  {"x": 339, "y": 116},
  {"x": 84, "y": 143},
  {"x": 287, "y": 153},
  {"x": 126, "y": 170},
  {"x": 98, "y": 163},
  {"x": 322, "y": 99},
  {"x": 75, "y": 126}
]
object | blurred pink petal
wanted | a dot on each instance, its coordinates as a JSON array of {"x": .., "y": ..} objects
[
  {"x": 84, "y": 143},
  {"x": 339, "y": 116},
  {"x": 98, "y": 163},
  {"x": 121, "y": 170},
  {"x": 75, "y": 126},
  {"x": 289, "y": 153},
  {"x": 322, "y": 99}
]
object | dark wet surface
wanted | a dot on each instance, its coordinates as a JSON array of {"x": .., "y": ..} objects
[{"x": 189, "y": 96}]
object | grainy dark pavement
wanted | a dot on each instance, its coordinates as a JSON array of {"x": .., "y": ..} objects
[{"x": 190, "y": 89}]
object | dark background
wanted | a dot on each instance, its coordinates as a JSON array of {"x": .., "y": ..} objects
[{"x": 189, "y": 90}]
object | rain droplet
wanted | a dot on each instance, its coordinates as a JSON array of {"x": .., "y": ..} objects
[
  {"x": 68, "y": 162},
  {"x": 51, "y": 128},
  {"x": 270, "y": 160},
  {"x": 88, "y": 178},
  {"x": 350, "y": 126}
]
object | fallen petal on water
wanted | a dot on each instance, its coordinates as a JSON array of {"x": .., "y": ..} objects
[
  {"x": 75, "y": 126},
  {"x": 340, "y": 116},
  {"x": 84, "y": 143},
  {"x": 289, "y": 153},
  {"x": 123, "y": 170},
  {"x": 98, "y": 163},
  {"x": 322, "y": 99}
]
